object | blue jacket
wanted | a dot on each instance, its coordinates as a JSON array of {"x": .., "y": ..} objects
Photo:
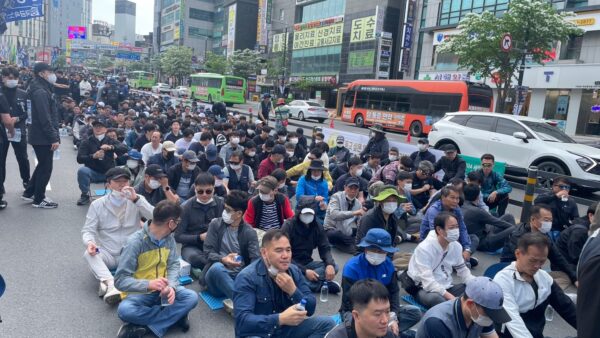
[
  {"x": 311, "y": 187},
  {"x": 255, "y": 296},
  {"x": 493, "y": 182},
  {"x": 434, "y": 210}
]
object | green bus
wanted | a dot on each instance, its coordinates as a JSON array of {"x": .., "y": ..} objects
[
  {"x": 210, "y": 87},
  {"x": 141, "y": 80}
]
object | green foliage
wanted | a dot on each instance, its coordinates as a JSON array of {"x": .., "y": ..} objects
[
  {"x": 535, "y": 28},
  {"x": 177, "y": 62},
  {"x": 245, "y": 63},
  {"x": 215, "y": 63},
  {"x": 60, "y": 62}
]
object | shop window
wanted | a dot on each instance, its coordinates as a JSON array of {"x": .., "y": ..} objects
[
  {"x": 446, "y": 61},
  {"x": 588, "y": 120},
  {"x": 571, "y": 50},
  {"x": 557, "y": 104}
]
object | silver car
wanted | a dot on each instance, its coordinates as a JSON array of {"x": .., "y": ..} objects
[{"x": 302, "y": 110}]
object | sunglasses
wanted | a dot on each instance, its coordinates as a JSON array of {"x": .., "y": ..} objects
[
  {"x": 486, "y": 165},
  {"x": 202, "y": 192},
  {"x": 564, "y": 187}
]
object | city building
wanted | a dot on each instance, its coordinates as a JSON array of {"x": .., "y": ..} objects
[
  {"x": 125, "y": 21},
  {"x": 564, "y": 90},
  {"x": 60, "y": 15},
  {"x": 102, "y": 31}
]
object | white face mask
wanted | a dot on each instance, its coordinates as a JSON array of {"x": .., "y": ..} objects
[
  {"x": 132, "y": 164},
  {"x": 236, "y": 166},
  {"x": 452, "y": 235},
  {"x": 204, "y": 203},
  {"x": 318, "y": 141},
  {"x": 282, "y": 138},
  {"x": 290, "y": 153},
  {"x": 235, "y": 140},
  {"x": 339, "y": 145},
  {"x": 265, "y": 197},
  {"x": 191, "y": 167},
  {"x": 100, "y": 137},
  {"x": 218, "y": 183},
  {"x": 390, "y": 207},
  {"x": 407, "y": 186},
  {"x": 359, "y": 172},
  {"x": 227, "y": 217},
  {"x": 281, "y": 186},
  {"x": 422, "y": 147},
  {"x": 251, "y": 153},
  {"x": 272, "y": 271},
  {"x": 481, "y": 320},
  {"x": 393, "y": 158},
  {"x": 117, "y": 198},
  {"x": 375, "y": 258},
  {"x": 51, "y": 78},
  {"x": 315, "y": 177},
  {"x": 294, "y": 141},
  {"x": 546, "y": 227},
  {"x": 11, "y": 83},
  {"x": 154, "y": 184},
  {"x": 307, "y": 218}
]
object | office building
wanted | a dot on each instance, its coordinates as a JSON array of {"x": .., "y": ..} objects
[
  {"x": 125, "y": 12},
  {"x": 60, "y": 15}
]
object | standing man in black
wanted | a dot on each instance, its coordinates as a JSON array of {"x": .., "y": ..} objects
[
  {"x": 43, "y": 134},
  {"x": 266, "y": 107},
  {"x": 5, "y": 122},
  {"x": 17, "y": 102}
]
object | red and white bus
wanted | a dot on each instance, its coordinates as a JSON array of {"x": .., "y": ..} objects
[{"x": 411, "y": 106}]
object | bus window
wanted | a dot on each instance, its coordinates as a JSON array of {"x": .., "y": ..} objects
[
  {"x": 420, "y": 104},
  {"x": 388, "y": 102},
  {"x": 403, "y": 103},
  {"x": 362, "y": 98},
  {"x": 349, "y": 100},
  {"x": 375, "y": 100}
]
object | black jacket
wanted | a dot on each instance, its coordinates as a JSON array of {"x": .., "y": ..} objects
[
  {"x": 455, "y": 168},
  {"x": 588, "y": 296},
  {"x": 87, "y": 148},
  {"x": 419, "y": 156},
  {"x": 304, "y": 239},
  {"x": 195, "y": 218},
  {"x": 562, "y": 212},
  {"x": 571, "y": 240},
  {"x": 476, "y": 220},
  {"x": 174, "y": 174},
  {"x": 557, "y": 261},
  {"x": 381, "y": 146},
  {"x": 43, "y": 129},
  {"x": 374, "y": 219}
]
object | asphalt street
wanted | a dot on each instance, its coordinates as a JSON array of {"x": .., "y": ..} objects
[{"x": 50, "y": 290}]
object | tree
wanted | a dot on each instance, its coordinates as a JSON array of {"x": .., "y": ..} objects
[
  {"x": 60, "y": 62},
  {"x": 215, "y": 63},
  {"x": 534, "y": 26},
  {"x": 177, "y": 62},
  {"x": 245, "y": 63}
]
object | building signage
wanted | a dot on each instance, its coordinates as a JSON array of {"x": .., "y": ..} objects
[
  {"x": 231, "y": 29},
  {"x": 318, "y": 23},
  {"x": 279, "y": 41},
  {"x": 261, "y": 27},
  {"x": 128, "y": 56},
  {"x": 319, "y": 37},
  {"x": 440, "y": 37},
  {"x": 331, "y": 79},
  {"x": 22, "y": 10},
  {"x": 361, "y": 62},
  {"x": 384, "y": 56},
  {"x": 77, "y": 32},
  {"x": 456, "y": 76},
  {"x": 363, "y": 29},
  {"x": 589, "y": 21}
]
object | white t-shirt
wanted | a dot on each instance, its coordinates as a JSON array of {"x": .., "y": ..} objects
[{"x": 148, "y": 151}]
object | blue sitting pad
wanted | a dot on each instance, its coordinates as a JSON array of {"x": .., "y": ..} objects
[
  {"x": 493, "y": 269},
  {"x": 494, "y": 253},
  {"x": 214, "y": 303},
  {"x": 185, "y": 280},
  {"x": 101, "y": 192},
  {"x": 337, "y": 318},
  {"x": 410, "y": 300}
]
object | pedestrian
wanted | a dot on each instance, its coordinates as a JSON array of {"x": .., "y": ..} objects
[
  {"x": 378, "y": 143},
  {"x": 43, "y": 134}
]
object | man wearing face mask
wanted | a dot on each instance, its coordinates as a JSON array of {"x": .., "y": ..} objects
[
  {"x": 43, "y": 134},
  {"x": 373, "y": 263},
  {"x": 383, "y": 215},
  {"x": 110, "y": 220},
  {"x": 355, "y": 170},
  {"x": 343, "y": 214},
  {"x": 182, "y": 175},
  {"x": 148, "y": 274},
  {"x": 564, "y": 208},
  {"x": 97, "y": 154},
  {"x": 306, "y": 234},
  {"x": 198, "y": 211},
  {"x": 540, "y": 221},
  {"x": 313, "y": 184},
  {"x": 237, "y": 175},
  {"x": 230, "y": 245},
  {"x": 472, "y": 315},
  {"x": 423, "y": 154},
  {"x": 233, "y": 145},
  {"x": 267, "y": 293},
  {"x": 166, "y": 157},
  {"x": 134, "y": 167},
  {"x": 155, "y": 187},
  {"x": 270, "y": 208},
  {"x": 378, "y": 143},
  {"x": 274, "y": 161},
  {"x": 430, "y": 267}
]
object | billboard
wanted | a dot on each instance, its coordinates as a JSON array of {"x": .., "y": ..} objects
[
  {"x": 22, "y": 9},
  {"x": 363, "y": 29},
  {"x": 319, "y": 37},
  {"x": 231, "y": 29},
  {"x": 279, "y": 42},
  {"x": 77, "y": 32}
]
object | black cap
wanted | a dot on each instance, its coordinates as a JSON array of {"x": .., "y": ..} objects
[
  {"x": 278, "y": 149},
  {"x": 116, "y": 173},
  {"x": 449, "y": 148},
  {"x": 40, "y": 67},
  {"x": 423, "y": 140},
  {"x": 98, "y": 123},
  {"x": 352, "y": 181},
  {"x": 155, "y": 171}
]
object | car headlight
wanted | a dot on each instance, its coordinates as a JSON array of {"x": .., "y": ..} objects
[{"x": 584, "y": 162}]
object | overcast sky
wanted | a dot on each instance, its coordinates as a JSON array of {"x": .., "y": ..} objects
[{"x": 144, "y": 21}]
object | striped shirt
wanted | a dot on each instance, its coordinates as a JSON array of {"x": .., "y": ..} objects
[{"x": 269, "y": 218}]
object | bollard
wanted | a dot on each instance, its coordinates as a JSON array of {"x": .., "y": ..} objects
[{"x": 529, "y": 191}]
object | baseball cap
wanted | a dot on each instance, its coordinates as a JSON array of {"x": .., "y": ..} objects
[
  {"x": 98, "y": 123},
  {"x": 307, "y": 211},
  {"x": 190, "y": 156},
  {"x": 352, "y": 181},
  {"x": 339, "y": 139},
  {"x": 169, "y": 146},
  {"x": 155, "y": 171},
  {"x": 211, "y": 152},
  {"x": 449, "y": 148},
  {"x": 116, "y": 173},
  {"x": 387, "y": 192},
  {"x": 100, "y": 104},
  {"x": 378, "y": 238},
  {"x": 134, "y": 154},
  {"x": 423, "y": 140},
  {"x": 217, "y": 171},
  {"x": 488, "y": 294},
  {"x": 278, "y": 149}
]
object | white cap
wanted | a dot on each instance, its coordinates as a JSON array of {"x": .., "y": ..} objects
[{"x": 307, "y": 211}]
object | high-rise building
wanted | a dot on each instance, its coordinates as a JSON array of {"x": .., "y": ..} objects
[
  {"x": 60, "y": 15},
  {"x": 125, "y": 21},
  {"x": 102, "y": 32}
]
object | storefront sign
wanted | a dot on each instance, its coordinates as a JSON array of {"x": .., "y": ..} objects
[
  {"x": 458, "y": 76},
  {"x": 586, "y": 21},
  {"x": 279, "y": 41},
  {"x": 363, "y": 29},
  {"x": 318, "y": 23},
  {"x": 384, "y": 52},
  {"x": 231, "y": 30},
  {"x": 331, "y": 79},
  {"x": 440, "y": 36},
  {"x": 361, "y": 62},
  {"x": 319, "y": 37}
]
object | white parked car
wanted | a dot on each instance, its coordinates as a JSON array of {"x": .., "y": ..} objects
[
  {"x": 161, "y": 88},
  {"x": 519, "y": 141},
  {"x": 302, "y": 110},
  {"x": 180, "y": 91}
]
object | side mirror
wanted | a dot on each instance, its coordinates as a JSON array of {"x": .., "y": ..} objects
[{"x": 520, "y": 135}]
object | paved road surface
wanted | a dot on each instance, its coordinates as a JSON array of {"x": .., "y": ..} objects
[{"x": 50, "y": 290}]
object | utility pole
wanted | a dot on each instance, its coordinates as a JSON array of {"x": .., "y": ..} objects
[{"x": 284, "y": 66}]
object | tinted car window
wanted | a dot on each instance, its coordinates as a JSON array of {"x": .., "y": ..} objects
[
  {"x": 460, "y": 119},
  {"x": 508, "y": 127},
  {"x": 480, "y": 122}
]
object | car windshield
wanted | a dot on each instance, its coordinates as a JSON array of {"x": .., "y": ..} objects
[
  {"x": 313, "y": 104},
  {"x": 548, "y": 133}
]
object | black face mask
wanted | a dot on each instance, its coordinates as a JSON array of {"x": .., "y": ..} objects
[{"x": 169, "y": 155}]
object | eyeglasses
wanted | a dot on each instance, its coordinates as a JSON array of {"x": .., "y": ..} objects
[
  {"x": 486, "y": 165},
  {"x": 234, "y": 163},
  {"x": 202, "y": 192},
  {"x": 564, "y": 187}
]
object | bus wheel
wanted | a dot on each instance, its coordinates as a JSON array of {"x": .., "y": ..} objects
[
  {"x": 359, "y": 121},
  {"x": 416, "y": 129}
]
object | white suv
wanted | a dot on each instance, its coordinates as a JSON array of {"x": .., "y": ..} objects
[{"x": 518, "y": 141}]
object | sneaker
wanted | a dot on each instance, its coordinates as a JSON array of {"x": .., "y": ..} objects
[
  {"x": 102, "y": 289},
  {"x": 334, "y": 287},
  {"x": 84, "y": 199},
  {"x": 473, "y": 261},
  {"x": 112, "y": 296},
  {"x": 184, "y": 323},
  {"x": 132, "y": 331},
  {"x": 27, "y": 198},
  {"x": 228, "y": 305},
  {"x": 3, "y": 204},
  {"x": 46, "y": 204}
]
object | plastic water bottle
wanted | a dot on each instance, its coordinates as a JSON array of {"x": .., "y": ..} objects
[
  {"x": 28, "y": 121},
  {"x": 16, "y": 137},
  {"x": 324, "y": 292},
  {"x": 302, "y": 305},
  {"x": 549, "y": 313},
  {"x": 238, "y": 258},
  {"x": 56, "y": 155}
]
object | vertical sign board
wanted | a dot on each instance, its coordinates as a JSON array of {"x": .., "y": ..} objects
[
  {"x": 231, "y": 29},
  {"x": 261, "y": 25},
  {"x": 407, "y": 34},
  {"x": 384, "y": 55}
]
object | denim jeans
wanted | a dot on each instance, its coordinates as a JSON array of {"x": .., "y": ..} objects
[
  {"x": 431, "y": 299},
  {"x": 311, "y": 327},
  {"x": 85, "y": 176},
  {"x": 145, "y": 309},
  {"x": 319, "y": 268},
  {"x": 219, "y": 280},
  {"x": 408, "y": 316}
]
